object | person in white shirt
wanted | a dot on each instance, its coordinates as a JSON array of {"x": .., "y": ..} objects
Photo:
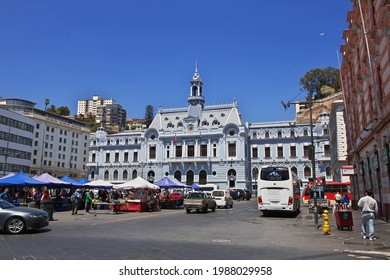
[{"x": 369, "y": 208}]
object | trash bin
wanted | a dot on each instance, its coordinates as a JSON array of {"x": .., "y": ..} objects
[{"x": 343, "y": 219}]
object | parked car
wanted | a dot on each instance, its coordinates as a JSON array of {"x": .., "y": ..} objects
[
  {"x": 199, "y": 201},
  {"x": 223, "y": 198},
  {"x": 174, "y": 200},
  {"x": 240, "y": 194},
  {"x": 248, "y": 194},
  {"x": 15, "y": 220},
  {"x": 236, "y": 194}
]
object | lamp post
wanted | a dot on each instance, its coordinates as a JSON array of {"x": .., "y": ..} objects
[{"x": 311, "y": 150}]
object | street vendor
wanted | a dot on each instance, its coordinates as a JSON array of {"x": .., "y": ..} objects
[{"x": 151, "y": 201}]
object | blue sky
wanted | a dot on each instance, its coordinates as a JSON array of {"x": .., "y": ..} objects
[{"x": 143, "y": 52}]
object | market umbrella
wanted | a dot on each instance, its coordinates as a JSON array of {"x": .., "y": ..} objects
[
  {"x": 8, "y": 175},
  {"x": 50, "y": 180},
  {"x": 21, "y": 179},
  {"x": 83, "y": 181},
  {"x": 98, "y": 184},
  {"x": 168, "y": 183},
  {"x": 70, "y": 180},
  {"x": 195, "y": 187},
  {"x": 137, "y": 183},
  {"x": 180, "y": 184}
]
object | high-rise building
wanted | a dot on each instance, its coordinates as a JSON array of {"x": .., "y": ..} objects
[
  {"x": 59, "y": 144},
  {"x": 107, "y": 112},
  {"x": 16, "y": 141}
]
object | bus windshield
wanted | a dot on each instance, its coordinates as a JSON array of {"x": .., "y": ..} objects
[{"x": 274, "y": 174}]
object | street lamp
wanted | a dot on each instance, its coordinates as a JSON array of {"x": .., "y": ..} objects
[{"x": 312, "y": 148}]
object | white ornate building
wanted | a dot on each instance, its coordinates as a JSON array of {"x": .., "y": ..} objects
[{"x": 208, "y": 145}]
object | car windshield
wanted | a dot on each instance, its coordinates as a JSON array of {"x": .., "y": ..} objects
[
  {"x": 5, "y": 204},
  {"x": 196, "y": 195},
  {"x": 218, "y": 193}
]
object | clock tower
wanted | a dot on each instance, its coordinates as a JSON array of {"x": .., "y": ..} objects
[
  {"x": 195, "y": 101},
  {"x": 196, "y": 84}
]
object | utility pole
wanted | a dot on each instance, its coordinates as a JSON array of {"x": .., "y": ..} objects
[
  {"x": 311, "y": 150},
  {"x": 313, "y": 159}
]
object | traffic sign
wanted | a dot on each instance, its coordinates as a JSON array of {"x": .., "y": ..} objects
[{"x": 319, "y": 181}]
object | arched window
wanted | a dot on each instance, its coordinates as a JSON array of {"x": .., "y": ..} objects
[
  {"x": 203, "y": 177},
  {"x": 232, "y": 178},
  {"x": 307, "y": 172},
  {"x": 280, "y": 134},
  {"x": 190, "y": 177},
  {"x": 116, "y": 175},
  {"x": 177, "y": 175},
  {"x": 305, "y": 133},
  {"x": 106, "y": 175},
  {"x": 134, "y": 174},
  {"x": 151, "y": 176},
  {"x": 194, "y": 91},
  {"x": 266, "y": 135},
  {"x": 124, "y": 175},
  {"x": 294, "y": 170},
  {"x": 117, "y": 142},
  {"x": 254, "y": 135},
  {"x": 292, "y": 133}
]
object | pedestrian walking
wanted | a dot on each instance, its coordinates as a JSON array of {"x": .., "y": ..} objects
[
  {"x": 46, "y": 203},
  {"x": 5, "y": 195},
  {"x": 37, "y": 198},
  {"x": 88, "y": 201},
  {"x": 369, "y": 208},
  {"x": 75, "y": 199}
]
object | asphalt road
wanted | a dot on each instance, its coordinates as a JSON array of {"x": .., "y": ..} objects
[{"x": 240, "y": 233}]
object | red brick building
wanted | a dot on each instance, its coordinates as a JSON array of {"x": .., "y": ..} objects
[{"x": 365, "y": 75}]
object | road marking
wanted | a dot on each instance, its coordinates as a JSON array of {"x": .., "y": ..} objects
[{"x": 137, "y": 217}]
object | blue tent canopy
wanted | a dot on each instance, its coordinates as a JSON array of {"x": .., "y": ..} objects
[
  {"x": 168, "y": 183},
  {"x": 83, "y": 181},
  {"x": 195, "y": 187},
  {"x": 72, "y": 181},
  {"x": 20, "y": 179}
]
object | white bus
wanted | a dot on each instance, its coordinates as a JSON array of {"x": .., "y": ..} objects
[{"x": 278, "y": 189}]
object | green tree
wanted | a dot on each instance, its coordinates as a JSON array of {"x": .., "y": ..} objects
[
  {"x": 314, "y": 80},
  {"x": 149, "y": 115},
  {"x": 52, "y": 109},
  {"x": 63, "y": 111}
]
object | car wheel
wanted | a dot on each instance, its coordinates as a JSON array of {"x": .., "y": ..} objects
[
  {"x": 205, "y": 209},
  {"x": 213, "y": 209},
  {"x": 15, "y": 226},
  {"x": 231, "y": 206},
  {"x": 188, "y": 210}
]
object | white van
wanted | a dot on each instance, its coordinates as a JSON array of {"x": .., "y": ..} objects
[{"x": 223, "y": 198}]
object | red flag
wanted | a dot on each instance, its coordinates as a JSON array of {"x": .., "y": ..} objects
[{"x": 174, "y": 140}]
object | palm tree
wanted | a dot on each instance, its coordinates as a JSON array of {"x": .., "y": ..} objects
[{"x": 47, "y": 102}]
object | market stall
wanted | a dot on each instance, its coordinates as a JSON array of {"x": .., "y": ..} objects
[{"x": 139, "y": 196}]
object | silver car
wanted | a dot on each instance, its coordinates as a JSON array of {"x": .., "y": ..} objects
[{"x": 16, "y": 220}]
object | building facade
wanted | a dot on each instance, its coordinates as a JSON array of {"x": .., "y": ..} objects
[
  {"x": 365, "y": 77},
  {"x": 338, "y": 140},
  {"x": 107, "y": 112},
  {"x": 16, "y": 141},
  {"x": 211, "y": 145},
  {"x": 59, "y": 144}
]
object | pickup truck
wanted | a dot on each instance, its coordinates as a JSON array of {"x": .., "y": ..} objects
[{"x": 199, "y": 201}]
